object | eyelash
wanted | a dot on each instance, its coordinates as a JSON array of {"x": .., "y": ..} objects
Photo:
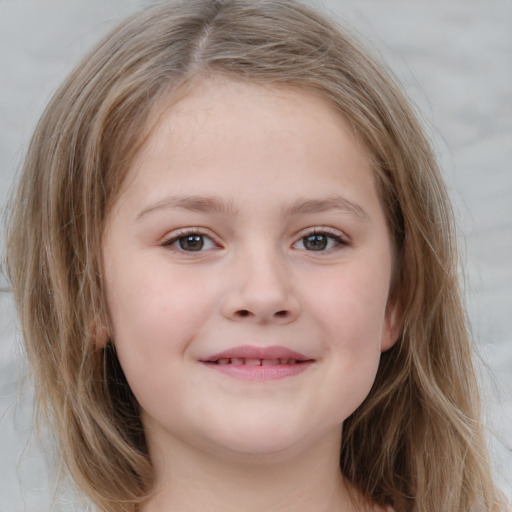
[
  {"x": 183, "y": 234},
  {"x": 340, "y": 241},
  {"x": 330, "y": 235}
]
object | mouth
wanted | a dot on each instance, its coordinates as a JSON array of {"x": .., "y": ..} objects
[
  {"x": 255, "y": 362},
  {"x": 258, "y": 363}
]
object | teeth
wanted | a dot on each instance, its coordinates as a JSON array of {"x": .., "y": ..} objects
[
  {"x": 256, "y": 362},
  {"x": 269, "y": 362},
  {"x": 253, "y": 362}
]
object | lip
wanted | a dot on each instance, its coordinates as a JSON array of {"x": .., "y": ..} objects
[
  {"x": 258, "y": 363},
  {"x": 253, "y": 352}
]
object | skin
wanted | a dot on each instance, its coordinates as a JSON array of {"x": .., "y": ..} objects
[{"x": 253, "y": 173}]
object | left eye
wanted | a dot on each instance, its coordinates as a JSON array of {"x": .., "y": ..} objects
[
  {"x": 318, "y": 242},
  {"x": 191, "y": 242}
]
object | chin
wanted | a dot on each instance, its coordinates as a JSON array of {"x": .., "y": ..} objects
[{"x": 266, "y": 444}]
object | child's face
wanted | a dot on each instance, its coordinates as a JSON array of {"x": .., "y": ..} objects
[{"x": 249, "y": 232}]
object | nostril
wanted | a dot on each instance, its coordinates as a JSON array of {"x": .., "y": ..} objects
[{"x": 282, "y": 315}]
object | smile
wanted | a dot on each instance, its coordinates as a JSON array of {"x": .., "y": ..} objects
[{"x": 258, "y": 363}]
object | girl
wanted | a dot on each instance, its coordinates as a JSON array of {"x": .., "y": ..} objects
[{"x": 234, "y": 263}]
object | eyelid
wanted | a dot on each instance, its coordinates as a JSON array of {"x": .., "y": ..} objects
[
  {"x": 170, "y": 238},
  {"x": 324, "y": 230},
  {"x": 341, "y": 238}
]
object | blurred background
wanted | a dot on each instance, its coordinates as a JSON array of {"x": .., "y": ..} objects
[{"x": 455, "y": 61}]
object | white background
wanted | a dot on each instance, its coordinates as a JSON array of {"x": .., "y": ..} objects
[{"x": 455, "y": 60}]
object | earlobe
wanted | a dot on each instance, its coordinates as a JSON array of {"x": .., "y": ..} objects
[
  {"x": 100, "y": 334},
  {"x": 393, "y": 324}
]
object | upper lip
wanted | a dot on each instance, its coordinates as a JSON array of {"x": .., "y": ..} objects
[{"x": 253, "y": 352}]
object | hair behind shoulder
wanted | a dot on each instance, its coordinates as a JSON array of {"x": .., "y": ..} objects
[{"x": 416, "y": 442}]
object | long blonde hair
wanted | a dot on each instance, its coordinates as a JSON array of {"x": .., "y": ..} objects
[{"x": 416, "y": 442}]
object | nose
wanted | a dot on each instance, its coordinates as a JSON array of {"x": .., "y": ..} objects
[{"x": 260, "y": 290}]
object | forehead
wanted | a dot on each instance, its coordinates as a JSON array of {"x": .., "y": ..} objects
[
  {"x": 231, "y": 137},
  {"x": 210, "y": 112}
]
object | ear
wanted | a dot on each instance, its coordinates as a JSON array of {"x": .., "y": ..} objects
[
  {"x": 100, "y": 333},
  {"x": 393, "y": 323}
]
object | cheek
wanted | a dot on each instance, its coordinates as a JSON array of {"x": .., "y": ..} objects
[
  {"x": 351, "y": 316},
  {"x": 154, "y": 316},
  {"x": 351, "y": 303},
  {"x": 350, "y": 311},
  {"x": 152, "y": 303}
]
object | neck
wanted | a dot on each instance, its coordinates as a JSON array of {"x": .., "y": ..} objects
[{"x": 201, "y": 482}]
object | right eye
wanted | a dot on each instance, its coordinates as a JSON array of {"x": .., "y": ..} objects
[{"x": 190, "y": 242}]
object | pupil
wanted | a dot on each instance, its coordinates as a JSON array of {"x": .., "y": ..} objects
[
  {"x": 315, "y": 242},
  {"x": 191, "y": 242}
]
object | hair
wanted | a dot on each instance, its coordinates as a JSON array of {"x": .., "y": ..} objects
[{"x": 416, "y": 442}]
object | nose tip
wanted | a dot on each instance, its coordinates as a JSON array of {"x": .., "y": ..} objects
[{"x": 261, "y": 292}]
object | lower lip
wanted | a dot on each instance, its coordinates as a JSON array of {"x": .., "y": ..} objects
[{"x": 248, "y": 372}]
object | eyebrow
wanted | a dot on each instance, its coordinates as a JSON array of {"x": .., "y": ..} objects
[
  {"x": 333, "y": 202},
  {"x": 207, "y": 204},
  {"x": 201, "y": 204}
]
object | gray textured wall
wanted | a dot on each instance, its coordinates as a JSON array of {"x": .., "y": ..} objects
[{"x": 455, "y": 59}]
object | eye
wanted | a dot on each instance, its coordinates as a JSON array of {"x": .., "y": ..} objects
[
  {"x": 190, "y": 242},
  {"x": 319, "y": 241}
]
